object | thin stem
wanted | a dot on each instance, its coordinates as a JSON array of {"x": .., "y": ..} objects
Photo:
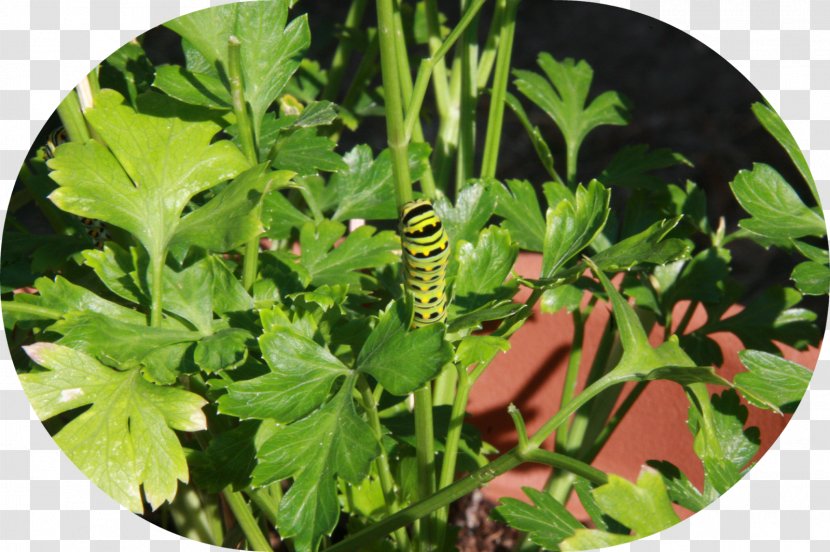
[
  {"x": 157, "y": 267},
  {"x": 571, "y": 375},
  {"x": 488, "y": 54},
  {"x": 339, "y": 62},
  {"x": 440, "y": 82},
  {"x": 243, "y": 515},
  {"x": 572, "y": 154},
  {"x": 425, "y": 456},
  {"x": 476, "y": 479},
  {"x": 387, "y": 482},
  {"x": 457, "y": 414},
  {"x": 264, "y": 501},
  {"x": 27, "y": 308},
  {"x": 521, "y": 429},
  {"x": 417, "y": 133},
  {"x": 468, "y": 48},
  {"x": 247, "y": 139},
  {"x": 495, "y": 118},
  {"x": 572, "y": 465},
  {"x": 72, "y": 118},
  {"x": 612, "y": 424},
  {"x": 396, "y": 136}
]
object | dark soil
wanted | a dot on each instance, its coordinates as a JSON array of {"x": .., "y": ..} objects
[{"x": 478, "y": 532}]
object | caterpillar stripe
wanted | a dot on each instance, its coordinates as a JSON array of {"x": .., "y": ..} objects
[
  {"x": 426, "y": 250},
  {"x": 55, "y": 139}
]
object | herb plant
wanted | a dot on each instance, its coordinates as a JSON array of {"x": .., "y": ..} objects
[{"x": 241, "y": 344}]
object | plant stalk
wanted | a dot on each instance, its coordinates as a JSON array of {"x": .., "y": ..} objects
[
  {"x": 425, "y": 458},
  {"x": 339, "y": 62},
  {"x": 476, "y": 479},
  {"x": 72, "y": 118},
  {"x": 157, "y": 267},
  {"x": 387, "y": 482},
  {"x": 468, "y": 50},
  {"x": 27, "y": 308},
  {"x": 247, "y": 522},
  {"x": 495, "y": 119}
]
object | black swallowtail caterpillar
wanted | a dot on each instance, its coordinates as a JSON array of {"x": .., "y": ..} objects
[
  {"x": 426, "y": 250},
  {"x": 94, "y": 228}
]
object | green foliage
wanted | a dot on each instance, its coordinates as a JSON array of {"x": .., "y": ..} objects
[
  {"x": 240, "y": 332},
  {"x": 129, "y": 418}
]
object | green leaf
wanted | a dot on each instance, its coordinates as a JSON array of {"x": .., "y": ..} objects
[
  {"x": 474, "y": 206},
  {"x": 127, "y": 70},
  {"x": 116, "y": 269},
  {"x": 228, "y": 293},
  {"x": 231, "y": 218},
  {"x": 365, "y": 189},
  {"x": 680, "y": 489},
  {"x": 812, "y": 278},
  {"x": 772, "y": 382},
  {"x": 561, "y": 297},
  {"x": 518, "y": 206},
  {"x": 601, "y": 521},
  {"x": 739, "y": 445},
  {"x": 158, "y": 350},
  {"x": 224, "y": 350},
  {"x": 332, "y": 441},
  {"x": 547, "y": 522},
  {"x": 362, "y": 249},
  {"x": 189, "y": 294},
  {"x": 645, "y": 508},
  {"x": 125, "y": 439},
  {"x": 703, "y": 278},
  {"x": 317, "y": 114},
  {"x": 475, "y": 349},
  {"x": 492, "y": 310},
  {"x": 192, "y": 87},
  {"x": 649, "y": 246},
  {"x": 402, "y": 360},
  {"x": 640, "y": 361},
  {"x": 279, "y": 216},
  {"x": 776, "y": 210},
  {"x": 271, "y": 50},
  {"x": 563, "y": 96},
  {"x": 302, "y": 374},
  {"x": 482, "y": 269},
  {"x": 572, "y": 226},
  {"x": 778, "y": 129},
  {"x": 65, "y": 297},
  {"x": 589, "y": 539},
  {"x": 535, "y": 135},
  {"x": 768, "y": 318},
  {"x": 304, "y": 152},
  {"x": 161, "y": 157},
  {"x": 632, "y": 166},
  {"x": 228, "y": 460}
]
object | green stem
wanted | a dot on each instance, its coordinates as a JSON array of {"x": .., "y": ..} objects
[
  {"x": 339, "y": 62},
  {"x": 572, "y": 465},
  {"x": 440, "y": 82},
  {"x": 407, "y": 88},
  {"x": 612, "y": 424},
  {"x": 569, "y": 387},
  {"x": 468, "y": 49},
  {"x": 243, "y": 515},
  {"x": 247, "y": 139},
  {"x": 457, "y": 414},
  {"x": 425, "y": 456},
  {"x": 476, "y": 479},
  {"x": 396, "y": 136},
  {"x": 495, "y": 118},
  {"x": 157, "y": 267},
  {"x": 72, "y": 118},
  {"x": 572, "y": 154},
  {"x": 387, "y": 482},
  {"x": 265, "y": 502},
  {"x": 488, "y": 54},
  {"x": 27, "y": 308}
]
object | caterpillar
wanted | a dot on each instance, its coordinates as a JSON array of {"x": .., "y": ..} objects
[
  {"x": 57, "y": 137},
  {"x": 426, "y": 250},
  {"x": 95, "y": 229}
]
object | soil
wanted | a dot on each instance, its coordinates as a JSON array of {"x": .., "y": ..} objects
[{"x": 478, "y": 531}]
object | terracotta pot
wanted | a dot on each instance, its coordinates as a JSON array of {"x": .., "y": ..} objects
[{"x": 531, "y": 375}]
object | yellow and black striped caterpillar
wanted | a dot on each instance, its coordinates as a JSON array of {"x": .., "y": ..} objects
[
  {"x": 95, "y": 229},
  {"x": 426, "y": 250}
]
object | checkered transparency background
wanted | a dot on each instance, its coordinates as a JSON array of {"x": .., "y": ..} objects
[{"x": 47, "y": 46}]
